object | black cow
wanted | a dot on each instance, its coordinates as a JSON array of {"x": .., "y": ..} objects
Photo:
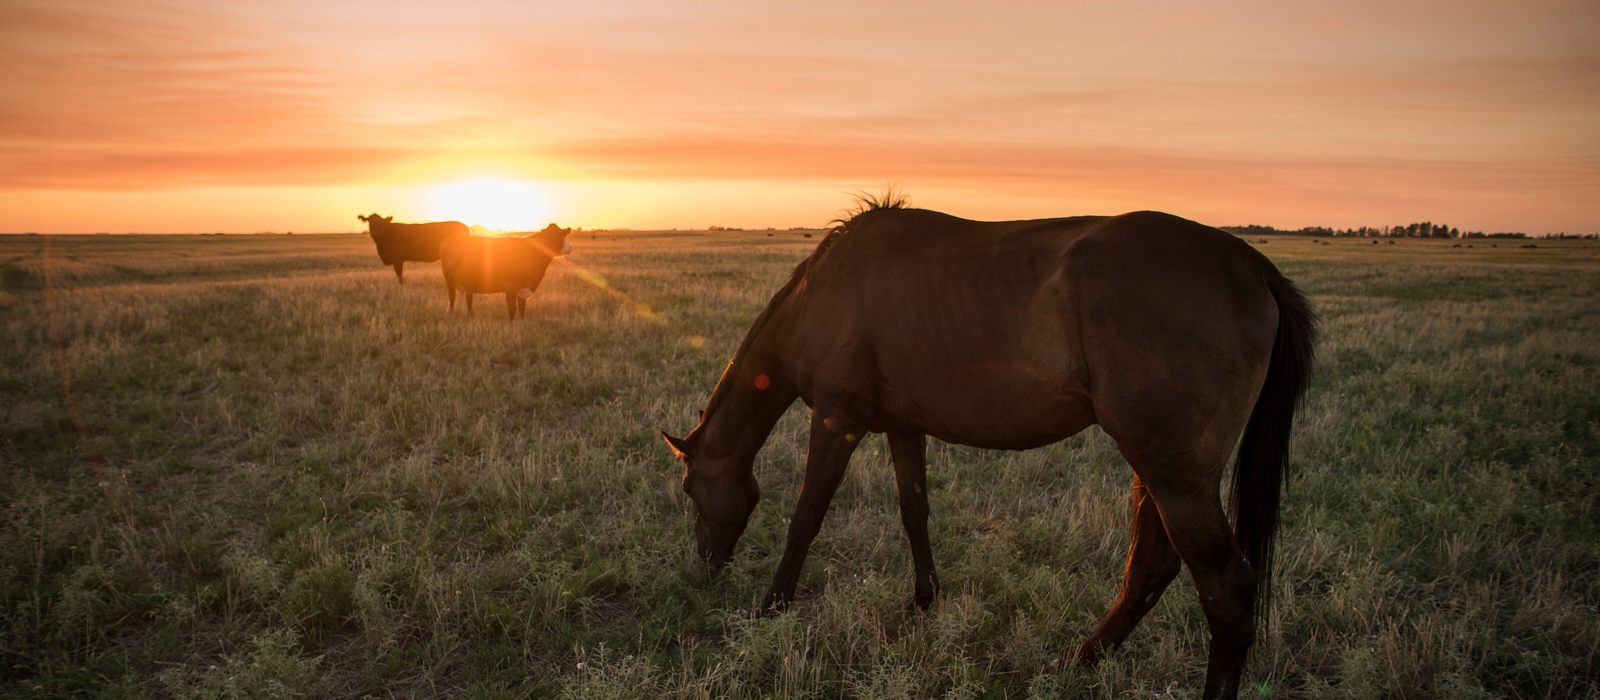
[{"x": 400, "y": 243}]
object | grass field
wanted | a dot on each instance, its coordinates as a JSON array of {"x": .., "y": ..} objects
[{"x": 256, "y": 467}]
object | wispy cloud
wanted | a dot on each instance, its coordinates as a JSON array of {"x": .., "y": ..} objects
[
  {"x": 165, "y": 169},
  {"x": 1242, "y": 107}
]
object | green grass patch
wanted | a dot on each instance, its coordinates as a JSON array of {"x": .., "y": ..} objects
[{"x": 258, "y": 467}]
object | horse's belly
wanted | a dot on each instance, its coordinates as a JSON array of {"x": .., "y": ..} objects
[{"x": 1005, "y": 407}]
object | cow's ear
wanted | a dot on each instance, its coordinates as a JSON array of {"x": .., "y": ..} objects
[
  {"x": 680, "y": 447},
  {"x": 388, "y": 219},
  {"x": 362, "y": 217}
]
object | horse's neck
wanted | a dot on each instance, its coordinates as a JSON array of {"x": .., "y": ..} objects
[{"x": 742, "y": 412}]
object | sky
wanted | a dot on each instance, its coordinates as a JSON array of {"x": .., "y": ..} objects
[{"x": 297, "y": 115}]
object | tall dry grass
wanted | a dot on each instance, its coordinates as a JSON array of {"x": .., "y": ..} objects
[{"x": 258, "y": 467}]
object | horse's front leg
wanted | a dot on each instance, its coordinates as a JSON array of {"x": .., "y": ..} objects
[
  {"x": 833, "y": 440},
  {"x": 909, "y": 451}
]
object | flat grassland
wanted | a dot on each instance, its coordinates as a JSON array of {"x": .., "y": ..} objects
[{"x": 255, "y": 466}]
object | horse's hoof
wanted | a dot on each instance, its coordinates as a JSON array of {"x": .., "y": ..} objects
[
  {"x": 773, "y": 604},
  {"x": 1088, "y": 655}
]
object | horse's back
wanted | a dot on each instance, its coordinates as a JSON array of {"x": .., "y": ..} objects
[
  {"x": 1015, "y": 279},
  {"x": 944, "y": 322}
]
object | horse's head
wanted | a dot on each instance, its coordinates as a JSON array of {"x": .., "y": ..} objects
[{"x": 724, "y": 492}]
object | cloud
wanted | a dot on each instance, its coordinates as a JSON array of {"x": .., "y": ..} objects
[
  {"x": 132, "y": 170},
  {"x": 1095, "y": 168},
  {"x": 86, "y": 86},
  {"x": 1244, "y": 105}
]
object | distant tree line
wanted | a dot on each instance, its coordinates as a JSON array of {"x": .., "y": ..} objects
[{"x": 1423, "y": 229}]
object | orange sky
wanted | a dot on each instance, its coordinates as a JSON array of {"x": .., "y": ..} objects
[{"x": 140, "y": 115}]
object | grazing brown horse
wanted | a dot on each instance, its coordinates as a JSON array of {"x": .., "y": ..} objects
[
  {"x": 1173, "y": 336},
  {"x": 402, "y": 243},
  {"x": 511, "y": 266}
]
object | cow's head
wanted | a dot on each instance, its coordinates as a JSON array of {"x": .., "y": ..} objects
[
  {"x": 373, "y": 220},
  {"x": 552, "y": 241}
]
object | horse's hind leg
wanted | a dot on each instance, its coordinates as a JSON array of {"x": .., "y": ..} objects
[
  {"x": 1152, "y": 564},
  {"x": 1179, "y": 463},
  {"x": 909, "y": 451},
  {"x": 1199, "y": 531}
]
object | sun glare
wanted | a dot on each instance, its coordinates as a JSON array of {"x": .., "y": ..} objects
[{"x": 498, "y": 204}]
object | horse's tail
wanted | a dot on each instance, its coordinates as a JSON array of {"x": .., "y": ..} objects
[{"x": 1264, "y": 451}]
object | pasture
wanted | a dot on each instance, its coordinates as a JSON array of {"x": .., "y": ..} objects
[{"x": 255, "y": 466}]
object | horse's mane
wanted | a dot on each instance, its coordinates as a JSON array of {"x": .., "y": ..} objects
[
  {"x": 865, "y": 203},
  {"x": 894, "y": 197}
]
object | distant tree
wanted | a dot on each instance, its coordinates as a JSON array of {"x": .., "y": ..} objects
[
  {"x": 1420, "y": 229},
  {"x": 1252, "y": 230}
]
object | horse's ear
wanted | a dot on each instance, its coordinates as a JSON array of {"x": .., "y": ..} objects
[{"x": 679, "y": 446}]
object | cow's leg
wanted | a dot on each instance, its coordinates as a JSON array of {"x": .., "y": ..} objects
[
  {"x": 469, "y": 302},
  {"x": 522, "y": 307},
  {"x": 511, "y": 306},
  {"x": 400, "y": 271},
  {"x": 909, "y": 453},
  {"x": 832, "y": 443},
  {"x": 1152, "y": 564},
  {"x": 450, "y": 285}
]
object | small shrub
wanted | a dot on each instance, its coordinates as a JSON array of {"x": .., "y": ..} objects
[
  {"x": 273, "y": 670},
  {"x": 320, "y": 599}
]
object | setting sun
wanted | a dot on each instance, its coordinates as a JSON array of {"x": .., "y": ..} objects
[{"x": 499, "y": 204}]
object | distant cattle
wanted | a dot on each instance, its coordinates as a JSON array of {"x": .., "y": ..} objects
[
  {"x": 402, "y": 243},
  {"x": 511, "y": 266}
]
